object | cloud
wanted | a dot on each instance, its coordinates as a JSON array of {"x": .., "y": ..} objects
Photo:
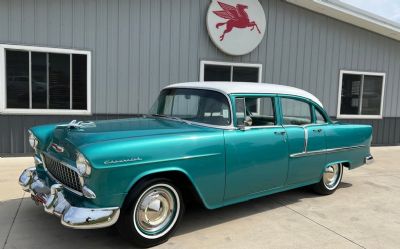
[{"x": 389, "y": 9}]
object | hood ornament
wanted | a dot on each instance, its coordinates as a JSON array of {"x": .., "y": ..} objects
[{"x": 79, "y": 124}]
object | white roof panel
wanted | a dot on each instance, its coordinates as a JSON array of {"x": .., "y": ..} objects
[{"x": 239, "y": 87}]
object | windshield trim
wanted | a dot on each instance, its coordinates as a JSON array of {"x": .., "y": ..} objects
[{"x": 225, "y": 127}]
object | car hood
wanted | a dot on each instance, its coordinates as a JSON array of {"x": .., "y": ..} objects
[{"x": 100, "y": 131}]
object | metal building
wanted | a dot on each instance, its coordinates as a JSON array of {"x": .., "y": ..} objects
[{"x": 101, "y": 59}]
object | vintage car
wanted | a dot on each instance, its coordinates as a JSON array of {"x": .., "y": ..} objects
[{"x": 218, "y": 143}]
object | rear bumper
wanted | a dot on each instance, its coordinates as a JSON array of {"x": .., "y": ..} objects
[
  {"x": 54, "y": 203},
  {"x": 369, "y": 159}
]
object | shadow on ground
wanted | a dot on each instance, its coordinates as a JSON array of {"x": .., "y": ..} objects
[{"x": 40, "y": 230}]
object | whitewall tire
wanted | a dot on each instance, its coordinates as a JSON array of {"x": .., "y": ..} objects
[{"x": 151, "y": 212}]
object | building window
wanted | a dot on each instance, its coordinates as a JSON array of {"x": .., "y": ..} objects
[
  {"x": 223, "y": 71},
  {"x": 39, "y": 80},
  {"x": 360, "y": 94},
  {"x": 232, "y": 72}
]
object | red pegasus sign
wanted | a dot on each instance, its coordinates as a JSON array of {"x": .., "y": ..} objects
[{"x": 236, "y": 16}]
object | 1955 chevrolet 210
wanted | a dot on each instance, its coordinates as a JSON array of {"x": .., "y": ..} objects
[{"x": 221, "y": 143}]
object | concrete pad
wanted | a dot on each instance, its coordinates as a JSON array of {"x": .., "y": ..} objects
[
  {"x": 8, "y": 212},
  {"x": 261, "y": 223},
  {"x": 363, "y": 213},
  {"x": 11, "y": 168}
]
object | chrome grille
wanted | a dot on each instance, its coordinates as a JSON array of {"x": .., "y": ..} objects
[{"x": 62, "y": 173}]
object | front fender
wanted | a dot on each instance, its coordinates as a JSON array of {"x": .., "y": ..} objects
[{"x": 200, "y": 157}]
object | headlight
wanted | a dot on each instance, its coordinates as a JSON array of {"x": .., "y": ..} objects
[
  {"x": 33, "y": 140},
  {"x": 82, "y": 165}
]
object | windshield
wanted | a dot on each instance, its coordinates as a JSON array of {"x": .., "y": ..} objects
[{"x": 196, "y": 105}]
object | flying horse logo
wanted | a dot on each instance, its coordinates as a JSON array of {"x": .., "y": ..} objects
[{"x": 237, "y": 18}]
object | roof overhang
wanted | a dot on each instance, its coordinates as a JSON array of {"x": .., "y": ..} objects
[{"x": 347, "y": 13}]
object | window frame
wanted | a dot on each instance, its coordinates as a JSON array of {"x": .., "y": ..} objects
[
  {"x": 25, "y": 111},
  {"x": 360, "y": 116},
  {"x": 321, "y": 111}
]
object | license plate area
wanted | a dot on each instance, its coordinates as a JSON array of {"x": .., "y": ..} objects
[{"x": 38, "y": 199}]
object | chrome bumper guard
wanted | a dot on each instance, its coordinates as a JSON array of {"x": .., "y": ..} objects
[
  {"x": 369, "y": 159},
  {"x": 54, "y": 203}
]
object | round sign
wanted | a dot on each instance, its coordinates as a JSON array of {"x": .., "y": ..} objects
[{"x": 236, "y": 26}]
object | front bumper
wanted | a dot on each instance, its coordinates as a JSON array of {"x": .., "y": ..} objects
[{"x": 54, "y": 203}]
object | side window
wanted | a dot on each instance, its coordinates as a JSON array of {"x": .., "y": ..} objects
[
  {"x": 295, "y": 112},
  {"x": 260, "y": 110},
  {"x": 319, "y": 118}
]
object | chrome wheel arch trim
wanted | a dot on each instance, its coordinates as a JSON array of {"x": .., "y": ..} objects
[{"x": 174, "y": 219}]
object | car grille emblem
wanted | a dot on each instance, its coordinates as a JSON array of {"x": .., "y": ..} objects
[{"x": 57, "y": 148}]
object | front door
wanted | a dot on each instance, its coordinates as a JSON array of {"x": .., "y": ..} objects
[{"x": 256, "y": 155}]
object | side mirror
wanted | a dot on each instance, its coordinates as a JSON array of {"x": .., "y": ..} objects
[{"x": 246, "y": 122}]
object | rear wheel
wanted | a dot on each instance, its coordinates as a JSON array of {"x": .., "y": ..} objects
[
  {"x": 330, "y": 180},
  {"x": 151, "y": 213}
]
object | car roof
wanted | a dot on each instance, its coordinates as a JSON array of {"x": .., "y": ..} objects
[{"x": 247, "y": 88}]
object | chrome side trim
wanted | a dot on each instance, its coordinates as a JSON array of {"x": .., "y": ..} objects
[
  {"x": 325, "y": 151},
  {"x": 54, "y": 202},
  {"x": 305, "y": 139}
]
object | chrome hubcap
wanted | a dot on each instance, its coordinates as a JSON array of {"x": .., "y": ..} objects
[
  {"x": 155, "y": 210},
  {"x": 331, "y": 176}
]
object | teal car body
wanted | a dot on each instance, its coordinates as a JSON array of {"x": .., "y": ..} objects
[{"x": 221, "y": 164}]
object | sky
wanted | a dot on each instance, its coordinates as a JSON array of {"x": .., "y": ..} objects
[{"x": 389, "y": 9}]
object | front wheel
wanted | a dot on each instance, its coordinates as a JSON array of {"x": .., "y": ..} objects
[
  {"x": 151, "y": 213},
  {"x": 330, "y": 180}
]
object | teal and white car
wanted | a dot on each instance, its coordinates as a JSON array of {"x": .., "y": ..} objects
[{"x": 218, "y": 143}]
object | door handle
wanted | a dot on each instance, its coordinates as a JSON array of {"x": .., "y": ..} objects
[
  {"x": 281, "y": 133},
  {"x": 317, "y": 130}
]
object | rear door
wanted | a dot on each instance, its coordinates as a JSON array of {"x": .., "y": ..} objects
[{"x": 306, "y": 139}]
